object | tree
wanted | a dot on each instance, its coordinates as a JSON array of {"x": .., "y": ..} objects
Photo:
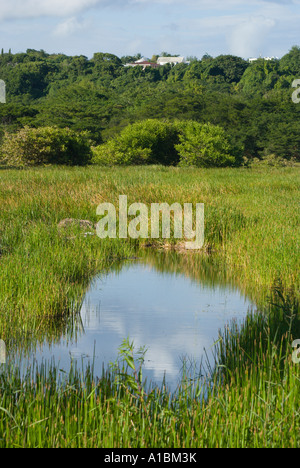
[
  {"x": 79, "y": 106},
  {"x": 130, "y": 58},
  {"x": 46, "y": 145},
  {"x": 203, "y": 145},
  {"x": 148, "y": 142},
  {"x": 166, "y": 54},
  {"x": 260, "y": 76},
  {"x": 230, "y": 67},
  {"x": 100, "y": 57},
  {"x": 28, "y": 78},
  {"x": 251, "y": 102},
  {"x": 290, "y": 63}
]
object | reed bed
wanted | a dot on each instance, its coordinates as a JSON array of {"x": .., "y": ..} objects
[
  {"x": 252, "y": 239},
  {"x": 251, "y": 400}
]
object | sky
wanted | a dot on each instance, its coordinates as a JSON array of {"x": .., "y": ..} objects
[{"x": 126, "y": 27}]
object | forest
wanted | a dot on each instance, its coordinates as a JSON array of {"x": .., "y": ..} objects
[{"x": 251, "y": 103}]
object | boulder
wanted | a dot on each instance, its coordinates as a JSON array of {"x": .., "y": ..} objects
[{"x": 71, "y": 222}]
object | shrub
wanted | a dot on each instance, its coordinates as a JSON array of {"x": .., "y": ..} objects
[
  {"x": 148, "y": 142},
  {"x": 112, "y": 154},
  {"x": 273, "y": 161},
  {"x": 152, "y": 141},
  {"x": 203, "y": 145},
  {"x": 45, "y": 145}
]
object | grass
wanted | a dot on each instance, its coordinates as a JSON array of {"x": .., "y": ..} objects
[
  {"x": 256, "y": 405},
  {"x": 251, "y": 240}
]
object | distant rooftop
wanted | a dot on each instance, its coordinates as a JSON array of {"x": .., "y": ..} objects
[
  {"x": 145, "y": 62},
  {"x": 142, "y": 62},
  {"x": 174, "y": 60},
  {"x": 262, "y": 58}
]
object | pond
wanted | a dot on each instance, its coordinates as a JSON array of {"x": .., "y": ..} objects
[{"x": 175, "y": 315}]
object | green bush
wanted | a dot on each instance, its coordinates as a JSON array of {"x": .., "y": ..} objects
[
  {"x": 187, "y": 143},
  {"x": 203, "y": 145},
  {"x": 272, "y": 160},
  {"x": 148, "y": 142},
  {"x": 45, "y": 145}
]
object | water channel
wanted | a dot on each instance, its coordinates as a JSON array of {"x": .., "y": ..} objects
[{"x": 176, "y": 315}]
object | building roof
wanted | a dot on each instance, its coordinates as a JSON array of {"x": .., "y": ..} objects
[
  {"x": 144, "y": 63},
  {"x": 164, "y": 60}
]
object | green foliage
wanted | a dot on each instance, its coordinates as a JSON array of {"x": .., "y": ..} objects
[
  {"x": 148, "y": 142},
  {"x": 251, "y": 102},
  {"x": 229, "y": 67},
  {"x": 45, "y": 145},
  {"x": 260, "y": 77},
  {"x": 290, "y": 63},
  {"x": 134, "y": 360},
  {"x": 79, "y": 106},
  {"x": 43, "y": 274},
  {"x": 204, "y": 145},
  {"x": 27, "y": 78},
  {"x": 272, "y": 160},
  {"x": 188, "y": 143}
]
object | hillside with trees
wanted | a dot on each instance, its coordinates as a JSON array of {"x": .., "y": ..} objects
[{"x": 250, "y": 103}]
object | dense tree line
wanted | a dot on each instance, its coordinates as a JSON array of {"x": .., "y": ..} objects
[{"x": 251, "y": 102}]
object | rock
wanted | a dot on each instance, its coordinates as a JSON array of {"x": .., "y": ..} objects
[{"x": 71, "y": 222}]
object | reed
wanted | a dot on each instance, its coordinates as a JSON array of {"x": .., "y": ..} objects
[
  {"x": 257, "y": 405},
  {"x": 252, "y": 239}
]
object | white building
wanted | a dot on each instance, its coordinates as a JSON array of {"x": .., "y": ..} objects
[
  {"x": 172, "y": 60},
  {"x": 143, "y": 62},
  {"x": 251, "y": 60}
]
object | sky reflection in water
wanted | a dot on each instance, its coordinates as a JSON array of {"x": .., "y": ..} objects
[{"x": 173, "y": 316}]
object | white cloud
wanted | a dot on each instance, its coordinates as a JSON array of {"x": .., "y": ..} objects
[
  {"x": 38, "y": 8},
  {"x": 249, "y": 36},
  {"x": 241, "y": 27},
  {"x": 69, "y": 27}
]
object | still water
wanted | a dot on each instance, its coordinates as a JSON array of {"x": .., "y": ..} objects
[{"x": 176, "y": 317}]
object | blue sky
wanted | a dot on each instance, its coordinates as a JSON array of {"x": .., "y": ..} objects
[{"x": 122, "y": 27}]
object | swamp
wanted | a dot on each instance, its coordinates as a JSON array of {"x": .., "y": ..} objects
[{"x": 114, "y": 329}]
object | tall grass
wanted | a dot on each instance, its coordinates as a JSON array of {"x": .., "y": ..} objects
[
  {"x": 261, "y": 335},
  {"x": 252, "y": 240},
  {"x": 256, "y": 404}
]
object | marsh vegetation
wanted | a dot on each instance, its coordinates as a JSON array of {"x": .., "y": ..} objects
[{"x": 251, "y": 238}]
